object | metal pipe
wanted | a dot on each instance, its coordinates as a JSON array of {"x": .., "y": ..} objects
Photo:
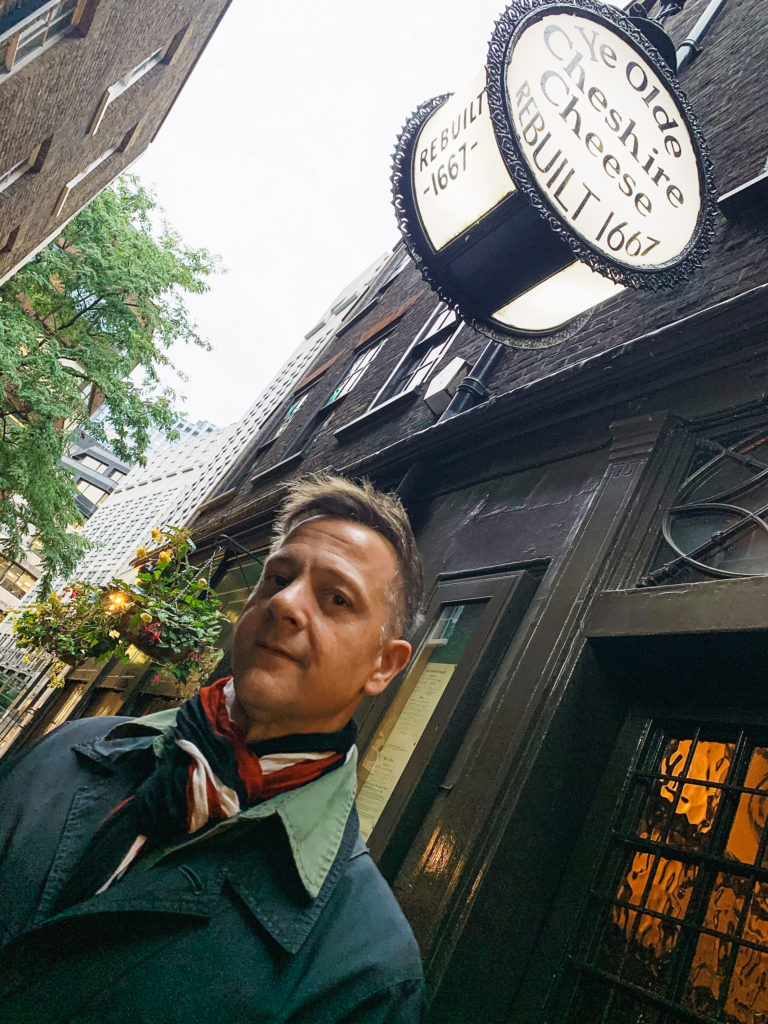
[
  {"x": 472, "y": 390},
  {"x": 689, "y": 48},
  {"x": 231, "y": 542}
]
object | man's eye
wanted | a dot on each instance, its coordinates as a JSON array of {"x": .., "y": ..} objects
[
  {"x": 276, "y": 580},
  {"x": 339, "y": 600}
]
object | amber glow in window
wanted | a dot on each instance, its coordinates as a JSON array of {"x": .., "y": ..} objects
[{"x": 677, "y": 925}]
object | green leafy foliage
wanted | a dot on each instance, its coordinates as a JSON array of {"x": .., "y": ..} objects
[
  {"x": 171, "y": 615},
  {"x": 90, "y": 317},
  {"x": 168, "y": 613},
  {"x": 74, "y": 627}
]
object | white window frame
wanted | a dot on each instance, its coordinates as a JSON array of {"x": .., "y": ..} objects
[
  {"x": 293, "y": 408},
  {"x": 73, "y": 182},
  {"x": 53, "y": 29},
  {"x": 441, "y": 319},
  {"x": 19, "y": 169},
  {"x": 124, "y": 83},
  {"x": 356, "y": 371}
]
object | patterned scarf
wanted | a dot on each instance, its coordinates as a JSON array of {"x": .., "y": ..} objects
[{"x": 206, "y": 774}]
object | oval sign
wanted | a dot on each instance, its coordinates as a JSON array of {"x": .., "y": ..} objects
[{"x": 595, "y": 131}]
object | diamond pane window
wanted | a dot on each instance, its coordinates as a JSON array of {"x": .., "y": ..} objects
[{"x": 676, "y": 927}]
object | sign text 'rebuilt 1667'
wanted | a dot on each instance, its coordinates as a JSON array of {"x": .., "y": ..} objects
[
  {"x": 603, "y": 137},
  {"x": 571, "y": 168}
]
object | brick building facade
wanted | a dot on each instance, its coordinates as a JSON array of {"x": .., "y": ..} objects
[
  {"x": 84, "y": 87},
  {"x": 567, "y": 789}
]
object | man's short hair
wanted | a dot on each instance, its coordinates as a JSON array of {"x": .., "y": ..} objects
[{"x": 321, "y": 494}]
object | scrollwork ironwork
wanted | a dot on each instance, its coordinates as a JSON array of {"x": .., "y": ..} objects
[
  {"x": 517, "y": 15},
  {"x": 407, "y": 217},
  {"x": 743, "y": 519}
]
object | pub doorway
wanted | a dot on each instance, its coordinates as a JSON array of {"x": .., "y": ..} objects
[{"x": 668, "y": 884}]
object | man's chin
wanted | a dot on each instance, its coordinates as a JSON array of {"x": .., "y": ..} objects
[{"x": 257, "y": 690}]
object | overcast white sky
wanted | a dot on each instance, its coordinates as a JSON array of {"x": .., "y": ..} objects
[{"x": 277, "y": 156}]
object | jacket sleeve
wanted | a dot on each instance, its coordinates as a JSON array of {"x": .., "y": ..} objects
[{"x": 402, "y": 1004}]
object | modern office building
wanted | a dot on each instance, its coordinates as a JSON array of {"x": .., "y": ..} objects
[{"x": 84, "y": 87}]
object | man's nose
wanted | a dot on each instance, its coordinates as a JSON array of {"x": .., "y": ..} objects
[{"x": 290, "y": 603}]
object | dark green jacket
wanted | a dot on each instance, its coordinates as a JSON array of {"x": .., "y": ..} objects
[{"x": 280, "y": 916}]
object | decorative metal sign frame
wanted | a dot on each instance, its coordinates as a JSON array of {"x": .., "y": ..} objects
[
  {"x": 410, "y": 229},
  {"x": 438, "y": 267},
  {"x": 518, "y": 16}
]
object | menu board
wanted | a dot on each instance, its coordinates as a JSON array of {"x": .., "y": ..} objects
[{"x": 396, "y": 740}]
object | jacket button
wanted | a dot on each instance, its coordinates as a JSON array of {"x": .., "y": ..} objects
[{"x": 192, "y": 877}]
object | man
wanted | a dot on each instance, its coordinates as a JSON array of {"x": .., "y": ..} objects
[{"x": 205, "y": 865}]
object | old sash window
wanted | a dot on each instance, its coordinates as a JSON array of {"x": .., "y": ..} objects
[
  {"x": 355, "y": 372},
  {"x": 26, "y": 39},
  {"x": 425, "y": 353},
  {"x": 676, "y": 927}
]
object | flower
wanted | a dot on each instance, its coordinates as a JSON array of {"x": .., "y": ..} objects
[
  {"x": 201, "y": 583},
  {"x": 156, "y": 535},
  {"x": 145, "y": 617},
  {"x": 141, "y": 552},
  {"x": 164, "y": 557}
]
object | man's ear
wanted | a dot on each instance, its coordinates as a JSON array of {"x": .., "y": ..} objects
[{"x": 393, "y": 658}]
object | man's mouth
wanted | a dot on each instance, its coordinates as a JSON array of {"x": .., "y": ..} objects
[{"x": 278, "y": 651}]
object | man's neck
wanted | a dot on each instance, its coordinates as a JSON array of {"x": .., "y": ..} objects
[{"x": 256, "y": 728}]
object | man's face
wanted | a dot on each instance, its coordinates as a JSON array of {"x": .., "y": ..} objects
[{"x": 312, "y": 639}]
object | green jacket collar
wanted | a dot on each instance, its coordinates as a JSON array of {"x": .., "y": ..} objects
[{"x": 314, "y": 816}]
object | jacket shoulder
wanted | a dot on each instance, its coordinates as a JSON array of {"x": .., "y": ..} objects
[{"x": 67, "y": 735}]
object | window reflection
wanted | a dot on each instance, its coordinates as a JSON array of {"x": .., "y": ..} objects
[{"x": 411, "y": 710}]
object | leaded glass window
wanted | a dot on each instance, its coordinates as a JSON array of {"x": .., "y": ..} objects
[{"x": 676, "y": 928}]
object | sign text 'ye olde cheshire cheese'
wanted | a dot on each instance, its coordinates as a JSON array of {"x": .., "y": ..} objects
[
  {"x": 569, "y": 168},
  {"x": 604, "y": 139}
]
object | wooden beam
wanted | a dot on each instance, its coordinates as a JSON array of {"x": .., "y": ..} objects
[{"x": 714, "y": 606}]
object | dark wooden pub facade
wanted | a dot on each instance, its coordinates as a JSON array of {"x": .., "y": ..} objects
[{"x": 569, "y": 788}]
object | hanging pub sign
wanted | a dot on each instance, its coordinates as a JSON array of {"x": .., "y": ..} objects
[{"x": 571, "y": 167}]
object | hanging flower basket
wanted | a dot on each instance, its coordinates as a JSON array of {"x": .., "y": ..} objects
[
  {"x": 146, "y": 641},
  {"x": 168, "y": 613},
  {"x": 72, "y": 660},
  {"x": 73, "y": 626}
]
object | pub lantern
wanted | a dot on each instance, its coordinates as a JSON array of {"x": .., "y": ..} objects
[{"x": 570, "y": 168}]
